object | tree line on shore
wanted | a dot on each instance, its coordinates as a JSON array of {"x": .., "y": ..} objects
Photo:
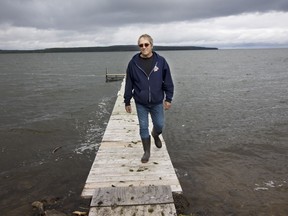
[{"x": 116, "y": 48}]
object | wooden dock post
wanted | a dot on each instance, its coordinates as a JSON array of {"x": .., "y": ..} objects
[{"x": 118, "y": 183}]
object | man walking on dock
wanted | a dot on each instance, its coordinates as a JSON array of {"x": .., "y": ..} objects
[{"x": 149, "y": 82}]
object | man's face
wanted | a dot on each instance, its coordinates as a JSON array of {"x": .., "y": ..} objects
[{"x": 145, "y": 47}]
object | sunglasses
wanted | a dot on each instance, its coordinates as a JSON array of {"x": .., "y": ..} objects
[{"x": 144, "y": 45}]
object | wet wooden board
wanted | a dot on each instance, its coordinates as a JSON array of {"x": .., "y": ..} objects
[
  {"x": 151, "y": 210},
  {"x": 147, "y": 200},
  {"x": 127, "y": 196}
]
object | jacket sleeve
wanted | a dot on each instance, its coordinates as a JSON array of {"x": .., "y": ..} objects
[
  {"x": 168, "y": 86},
  {"x": 128, "y": 86}
]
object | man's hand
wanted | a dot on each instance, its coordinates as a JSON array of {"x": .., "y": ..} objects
[
  {"x": 128, "y": 109},
  {"x": 167, "y": 105}
]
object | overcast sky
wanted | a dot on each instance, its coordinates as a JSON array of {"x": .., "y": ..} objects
[{"x": 37, "y": 24}]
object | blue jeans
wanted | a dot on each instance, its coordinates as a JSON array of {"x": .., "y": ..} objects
[{"x": 157, "y": 116}]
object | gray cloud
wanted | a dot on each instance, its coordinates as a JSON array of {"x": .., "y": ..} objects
[
  {"x": 30, "y": 24},
  {"x": 90, "y": 14}
]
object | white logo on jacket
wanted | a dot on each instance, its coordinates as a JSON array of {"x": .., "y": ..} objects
[{"x": 155, "y": 69}]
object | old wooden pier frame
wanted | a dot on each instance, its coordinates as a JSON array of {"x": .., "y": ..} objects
[{"x": 113, "y": 77}]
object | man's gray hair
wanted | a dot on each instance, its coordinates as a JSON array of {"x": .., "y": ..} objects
[{"x": 148, "y": 37}]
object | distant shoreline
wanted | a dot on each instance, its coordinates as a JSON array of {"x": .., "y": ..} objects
[{"x": 116, "y": 48}]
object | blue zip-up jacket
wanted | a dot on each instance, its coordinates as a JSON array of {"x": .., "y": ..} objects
[{"x": 148, "y": 89}]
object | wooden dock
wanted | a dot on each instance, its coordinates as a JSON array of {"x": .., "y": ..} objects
[
  {"x": 118, "y": 183},
  {"x": 113, "y": 77}
]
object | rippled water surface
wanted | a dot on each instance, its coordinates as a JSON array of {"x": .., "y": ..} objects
[{"x": 227, "y": 132}]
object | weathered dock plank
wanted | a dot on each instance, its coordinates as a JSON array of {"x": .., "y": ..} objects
[
  {"x": 147, "y": 200},
  {"x": 127, "y": 196},
  {"x": 151, "y": 210}
]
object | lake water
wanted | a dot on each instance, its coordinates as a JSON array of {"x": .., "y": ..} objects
[{"x": 227, "y": 131}]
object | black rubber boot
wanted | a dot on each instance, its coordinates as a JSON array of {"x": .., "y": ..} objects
[
  {"x": 157, "y": 140},
  {"x": 146, "y": 147}
]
